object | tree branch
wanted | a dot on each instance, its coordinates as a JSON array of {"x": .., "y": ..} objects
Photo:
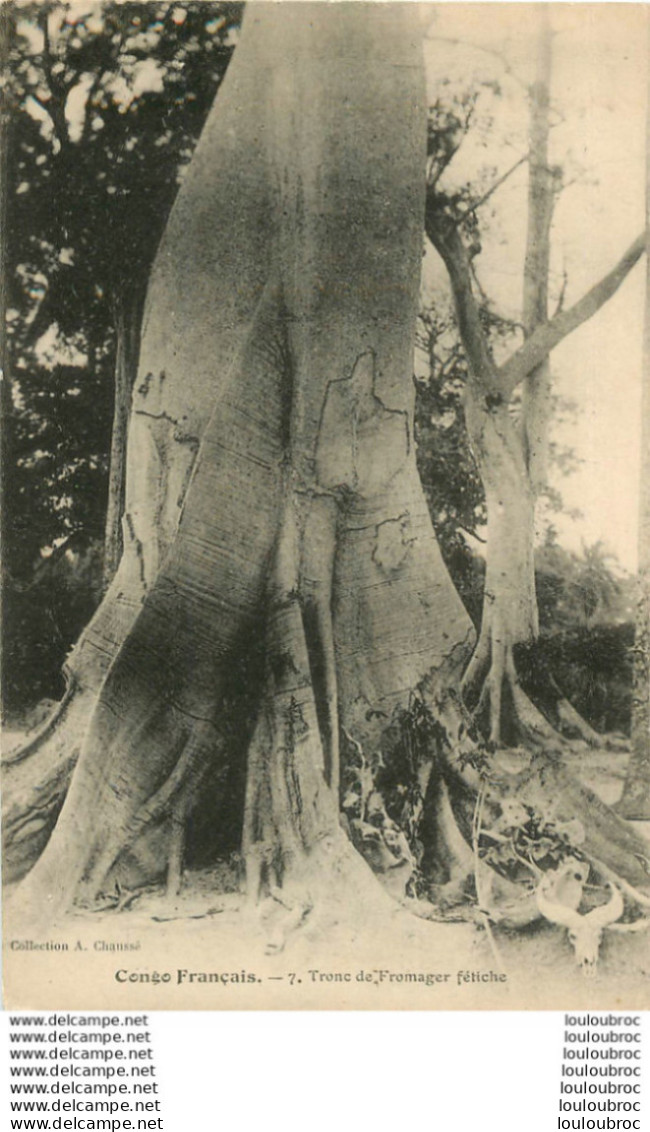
[
  {"x": 88, "y": 108},
  {"x": 57, "y": 89},
  {"x": 448, "y": 242},
  {"x": 548, "y": 336},
  {"x": 503, "y": 380},
  {"x": 500, "y": 55},
  {"x": 434, "y": 178},
  {"x": 493, "y": 188},
  {"x": 116, "y": 51}
]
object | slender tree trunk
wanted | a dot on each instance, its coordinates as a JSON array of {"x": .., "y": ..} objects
[
  {"x": 127, "y": 321},
  {"x": 635, "y": 802},
  {"x": 509, "y": 600},
  {"x": 511, "y": 458},
  {"x": 536, "y": 388}
]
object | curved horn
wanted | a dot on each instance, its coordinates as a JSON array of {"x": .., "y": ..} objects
[
  {"x": 606, "y": 914},
  {"x": 635, "y": 926},
  {"x": 640, "y": 897}
]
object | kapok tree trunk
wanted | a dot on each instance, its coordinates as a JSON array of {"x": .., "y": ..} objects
[
  {"x": 491, "y": 682},
  {"x": 298, "y": 336},
  {"x": 512, "y": 462},
  {"x": 281, "y": 588}
]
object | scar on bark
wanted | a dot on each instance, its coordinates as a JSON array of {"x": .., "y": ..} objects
[
  {"x": 392, "y": 542},
  {"x": 137, "y": 546},
  {"x": 145, "y": 385},
  {"x": 349, "y": 403}
]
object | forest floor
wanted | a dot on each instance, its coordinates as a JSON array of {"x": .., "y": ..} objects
[{"x": 336, "y": 957}]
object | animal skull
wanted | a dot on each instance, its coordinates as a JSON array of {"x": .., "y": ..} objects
[{"x": 585, "y": 931}]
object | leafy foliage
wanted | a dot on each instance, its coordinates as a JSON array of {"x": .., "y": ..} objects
[
  {"x": 105, "y": 104},
  {"x": 593, "y": 668},
  {"x": 450, "y": 478},
  {"x": 521, "y": 836}
]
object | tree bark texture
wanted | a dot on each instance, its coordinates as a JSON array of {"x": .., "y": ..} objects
[
  {"x": 536, "y": 387},
  {"x": 293, "y": 332}
]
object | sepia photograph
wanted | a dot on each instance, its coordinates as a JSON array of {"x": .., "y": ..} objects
[{"x": 325, "y": 505}]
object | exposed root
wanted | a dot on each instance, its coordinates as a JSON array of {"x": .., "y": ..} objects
[
  {"x": 281, "y": 917},
  {"x": 290, "y": 808},
  {"x": 483, "y": 892},
  {"x": 165, "y": 803},
  {"x": 188, "y": 915},
  {"x": 635, "y": 804},
  {"x": 477, "y": 668},
  {"x": 536, "y": 779},
  {"x": 177, "y": 846},
  {"x": 36, "y": 740},
  {"x": 572, "y": 723},
  {"x": 504, "y": 710},
  {"x": 318, "y": 543},
  {"x": 300, "y": 865},
  {"x": 35, "y": 780},
  {"x": 531, "y": 725}
]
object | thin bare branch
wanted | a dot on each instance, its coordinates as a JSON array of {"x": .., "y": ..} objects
[
  {"x": 493, "y": 188},
  {"x": 500, "y": 55},
  {"x": 540, "y": 343},
  {"x": 447, "y": 240},
  {"x": 561, "y": 297},
  {"x": 58, "y": 90}
]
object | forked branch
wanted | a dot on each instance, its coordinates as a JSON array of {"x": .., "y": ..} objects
[
  {"x": 548, "y": 336},
  {"x": 502, "y": 380}
]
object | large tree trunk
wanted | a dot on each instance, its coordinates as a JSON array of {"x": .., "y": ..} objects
[
  {"x": 298, "y": 335},
  {"x": 281, "y": 588},
  {"x": 205, "y": 287}
]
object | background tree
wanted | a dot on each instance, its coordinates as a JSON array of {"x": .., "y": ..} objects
[
  {"x": 510, "y": 452},
  {"x": 106, "y": 104}
]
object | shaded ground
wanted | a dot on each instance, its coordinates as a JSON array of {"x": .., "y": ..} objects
[{"x": 336, "y": 957}]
